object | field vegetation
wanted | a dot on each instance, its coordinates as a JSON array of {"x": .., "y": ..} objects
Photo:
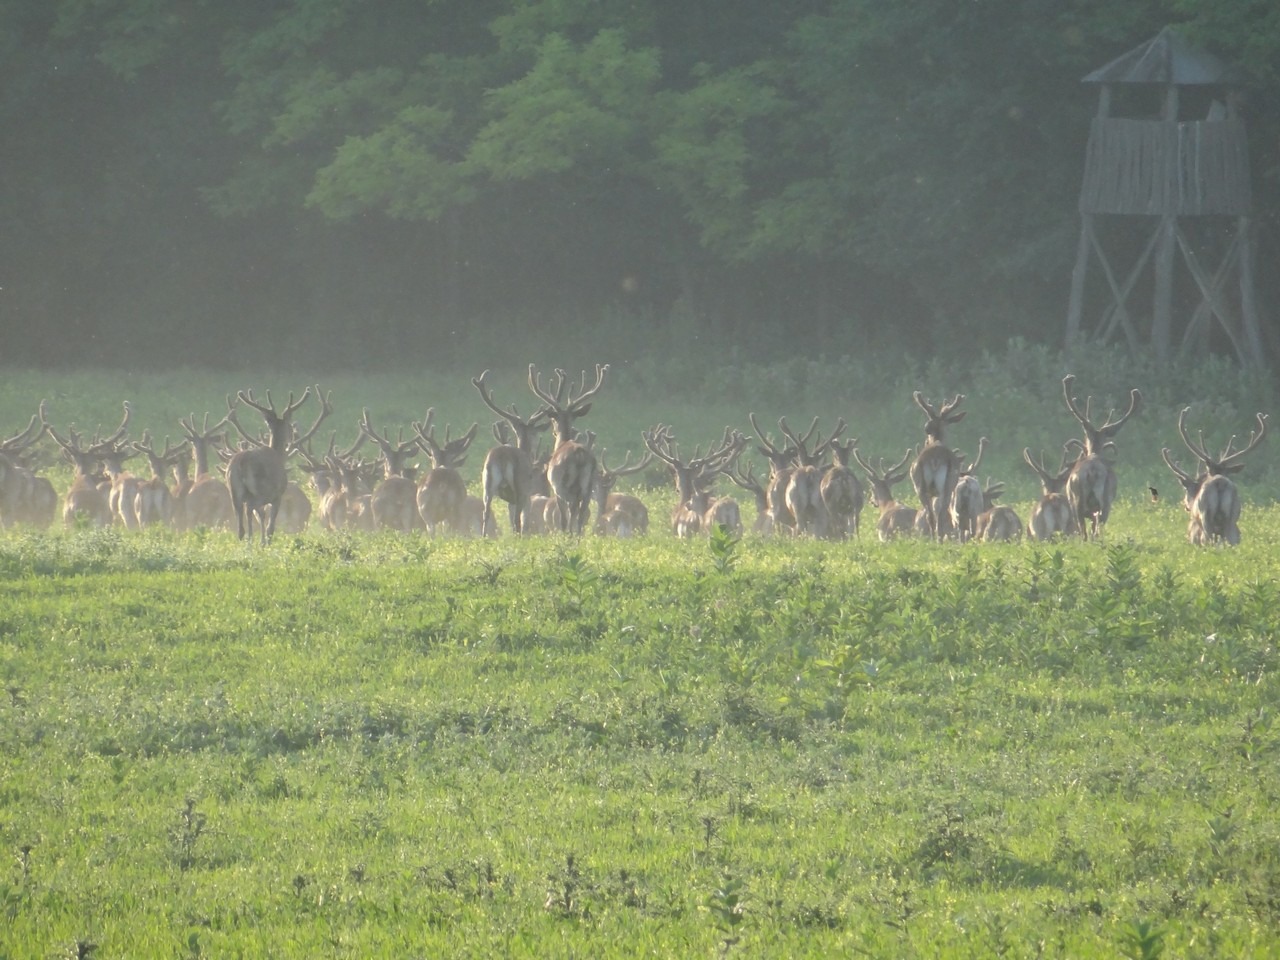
[{"x": 390, "y": 745}]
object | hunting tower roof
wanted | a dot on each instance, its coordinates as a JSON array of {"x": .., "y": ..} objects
[{"x": 1167, "y": 58}]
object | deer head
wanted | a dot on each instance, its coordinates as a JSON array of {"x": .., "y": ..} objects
[
  {"x": 564, "y": 403},
  {"x": 938, "y": 418},
  {"x": 1097, "y": 438}
]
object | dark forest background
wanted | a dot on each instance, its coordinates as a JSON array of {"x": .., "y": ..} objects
[{"x": 349, "y": 183}]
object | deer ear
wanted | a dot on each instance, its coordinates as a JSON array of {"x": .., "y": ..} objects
[
  {"x": 583, "y": 411},
  {"x": 956, "y": 417}
]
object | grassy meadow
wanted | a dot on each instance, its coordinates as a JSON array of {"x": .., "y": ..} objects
[{"x": 390, "y": 746}]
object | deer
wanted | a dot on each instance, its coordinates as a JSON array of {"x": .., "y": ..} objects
[
  {"x": 207, "y": 501},
  {"x": 258, "y": 477},
  {"x": 1053, "y": 515},
  {"x": 442, "y": 493},
  {"x": 24, "y": 496},
  {"x": 619, "y": 514},
  {"x": 763, "y": 524},
  {"x": 937, "y": 468},
  {"x": 804, "y": 488},
  {"x": 1211, "y": 497},
  {"x": 842, "y": 492},
  {"x": 1091, "y": 485},
  {"x": 781, "y": 463},
  {"x": 896, "y": 519},
  {"x": 154, "y": 502},
  {"x": 966, "y": 497},
  {"x": 693, "y": 478},
  {"x": 571, "y": 471},
  {"x": 85, "y": 500},
  {"x": 997, "y": 522},
  {"x": 508, "y": 472},
  {"x": 394, "y": 502}
]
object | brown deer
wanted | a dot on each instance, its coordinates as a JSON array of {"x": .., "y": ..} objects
[
  {"x": 966, "y": 497},
  {"x": 1091, "y": 485},
  {"x": 394, "y": 502},
  {"x": 763, "y": 524},
  {"x": 804, "y": 488},
  {"x": 442, "y": 494},
  {"x": 1211, "y": 497},
  {"x": 896, "y": 519},
  {"x": 936, "y": 470},
  {"x": 24, "y": 497},
  {"x": 1052, "y": 516},
  {"x": 508, "y": 471},
  {"x": 997, "y": 523},
  {"x": 571, "y": 471},
  {"x": 693, "y": 478},
  {"x": 781, "y": 464},
  {"x": 619, "y": 514},
  {"x": 154, "y": 503},
  {"x": 85, "y": 501},
  {"x": 842, "y": 492},
  {"x": 207, "y": 501},
  {"x": 258, "y": 477}
]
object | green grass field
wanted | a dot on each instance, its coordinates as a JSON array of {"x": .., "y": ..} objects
[{"x": 384, "y": 745}]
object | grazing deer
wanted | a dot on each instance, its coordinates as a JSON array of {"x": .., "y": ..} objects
[
  {"x": 619, "y": 514},
  {"x": 442, "y": 494},
  {"x": 571, "y": 471},
  {"x": 1211, "y": 497},
  {"x": 85, "y": 500},
  {"x": 508, "y": 472},
  {"x": 937, "y": 469},
  {"x": 842, "y": 492},
  {"x": 1052, "y": 515},
  {"x": 966, "y": 498},
  {"x": 24, "y": 497},
  {"x": 393, "y": 503},
  {"x": 781, "y": 464},
  {"x": 804, "y": 489},
  {"x": 154, "y": 501},
  {"x": 207, "y": 501},
  {"x": 896, "y": 519},
  {"x": 257, "y": 477},
  {"x": 693, "y": 478},
  {"x": 1091, "y": 485}
]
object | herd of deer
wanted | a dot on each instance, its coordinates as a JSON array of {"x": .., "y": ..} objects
[{"x": 803, "y": 494}]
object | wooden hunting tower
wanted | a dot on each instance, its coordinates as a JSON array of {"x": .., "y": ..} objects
[{"x": 1166, "y": 185}]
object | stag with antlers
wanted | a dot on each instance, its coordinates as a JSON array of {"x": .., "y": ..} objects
[
  {"x": 619, "y": 514},
  {"x": 257, "y": 477},
  {"x": 154, "y": 501},
  {"x": 1053, "y": 515},
  {"x": 693, "y": 477},
  {"x": 508, "y": 471},
  {"x": 571, "y": 470},
  {"x": 896, "y": 519},
  {"x": 1211, "y": 497},
  {"x": 842, "y": 492},
  {"x": 781, "y": 464},
  {"x": 442, "y": 495},
  {"x": 1091, "y": 485},
  {"x": 936, "y": 470},
  {"x": 394, "y": 501},
  {"x": 804, "y": 488},
  {"x": 24, "y": 496},
  {"x": 207, "y": 501},
  {"x": 966, "y": 497},
  {"x": 85, "y": 501}
]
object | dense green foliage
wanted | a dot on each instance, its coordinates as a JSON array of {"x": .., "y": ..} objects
[
  {"x": 384, "y": 745},
  {"x": 346, "y": 182}
]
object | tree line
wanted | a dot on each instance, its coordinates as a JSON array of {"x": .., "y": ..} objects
[{"x": 340, "y": 182}]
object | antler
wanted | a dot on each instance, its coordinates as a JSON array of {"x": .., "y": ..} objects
[
  {"x": 1096, "y": 438},
  {"x": 973, "y": 467},
  {"x": 578, "y": 402},
  {"x": 25, "y": 438},
  {"x": 1228, "y": 461},
  {"x": 778, "y": 456},
  {"x": 510, "y": 415},
  {"x": 890, "y": 475}
]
